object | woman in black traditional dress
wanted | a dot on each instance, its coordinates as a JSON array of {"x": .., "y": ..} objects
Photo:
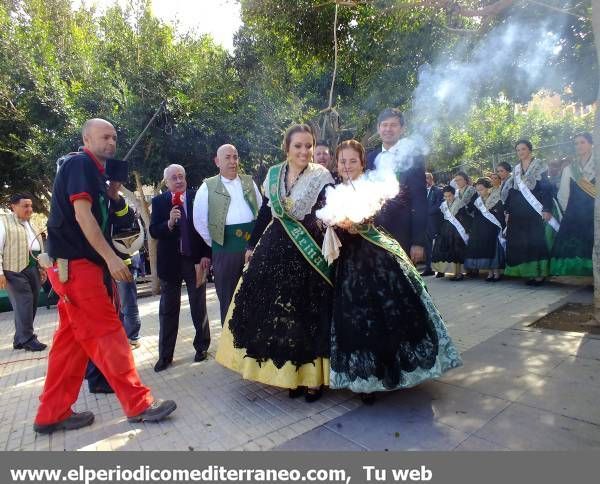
[
  {"x": 529, "y": 209},
  {"x": 485, "y": 248},
  {"x": 466, "y": 192},
  {"x": 278, "y": 325},
  {"x": 386, "y": 332},
  {"x": 450, "y": 245},
  {"x": 496, "y": 181},
  {"x": 504, "y": 172},
  {"x": 572, "y": 251}
]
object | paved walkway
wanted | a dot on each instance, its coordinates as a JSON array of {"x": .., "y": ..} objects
[{"x": 512, "y": 378}]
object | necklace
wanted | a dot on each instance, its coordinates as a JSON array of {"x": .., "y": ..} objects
[{"x": 288, "y": 189}]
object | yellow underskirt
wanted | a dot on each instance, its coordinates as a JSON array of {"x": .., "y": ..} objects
[{"x": 311, "y": 374}]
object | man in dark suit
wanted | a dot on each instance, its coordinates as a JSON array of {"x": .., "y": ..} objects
[
  {"x": 435, "y": 197},
  {"x": 404, "y": 216},
  {"x": 182, "y": 255}
]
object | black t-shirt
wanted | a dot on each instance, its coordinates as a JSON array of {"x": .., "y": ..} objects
[{"x": 78, "y": 177}]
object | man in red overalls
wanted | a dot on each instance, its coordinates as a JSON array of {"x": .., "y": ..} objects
[{"x": 89, "y": 326}]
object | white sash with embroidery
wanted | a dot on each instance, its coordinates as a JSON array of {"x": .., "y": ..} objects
[
  {"x": 490, "y": 218},
  {"x": 530, "y": 197},
  {"x": 454, "y": 221}
]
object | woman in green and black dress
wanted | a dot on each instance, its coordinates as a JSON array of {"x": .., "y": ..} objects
[
  {"x": 386, "y": 332},
  {"x": 529, "y": 209},
  {"x": 572, "y": 251}
]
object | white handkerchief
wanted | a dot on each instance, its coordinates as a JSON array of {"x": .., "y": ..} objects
[{"x": 331, "y": 245}]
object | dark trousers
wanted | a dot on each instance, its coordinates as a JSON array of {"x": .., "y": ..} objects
[
  {"x": 168, "y": 313},
  {"x": 228, "y": 268},
  {"x": 429, "y": 238},
  {"x": 23, "y": 290}
]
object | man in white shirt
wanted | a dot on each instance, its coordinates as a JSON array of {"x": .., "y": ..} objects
[
  {"x": 225, "y": 209},
  {"x": 19, "y": 272}
]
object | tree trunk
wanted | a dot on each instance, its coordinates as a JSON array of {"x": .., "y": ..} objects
[
  {"x": 596, "y": 253},
  {"x": 145, "y": 214},
  {"x": 142, "y": 208}
]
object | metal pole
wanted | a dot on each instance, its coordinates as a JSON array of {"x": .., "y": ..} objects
[{"x": 135, "y": 143}]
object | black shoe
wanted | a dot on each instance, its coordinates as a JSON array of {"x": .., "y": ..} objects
[
  {"x": 368, "y": 398},
  {"x": 75, "y": 421},
  {"x": 200, "y": 356},
  {"x": 439, "y": 275},
  {"x": 162, "y": 364},
  {"x": 530, "y": 282},
  {"x": 457, "y": 278},
  {"x": 32, "y": 345},
  {"x": 102, "y": 388},
  {"x": 427, "y": 272},
  {"x": 537, "y": 282},
  {"x": 496, "y": 278},
  {"x": 313, "y": 395},
  {"x": 489, "y": 279},
  {"x": 296, "y": 392},
  {"x": 155, "y": 412}
]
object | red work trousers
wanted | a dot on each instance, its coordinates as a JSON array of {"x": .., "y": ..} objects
[{"x": 88, "y": 328}]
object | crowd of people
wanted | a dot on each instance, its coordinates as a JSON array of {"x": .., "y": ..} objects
[
  {"x": 291, "y": 319},
  {"x": 515, "y": 221}
]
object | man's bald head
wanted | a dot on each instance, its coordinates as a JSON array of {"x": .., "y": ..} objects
[
  {"x": 100, "y": 137},
  {"x": 228, "y": 161}
]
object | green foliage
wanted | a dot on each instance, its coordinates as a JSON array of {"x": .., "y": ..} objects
[
  {"x": 59, "y": 68},
  {"x": 493, "y": 127}
]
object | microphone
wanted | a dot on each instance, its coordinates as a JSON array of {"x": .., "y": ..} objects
[{"x": 177, "y": 201}]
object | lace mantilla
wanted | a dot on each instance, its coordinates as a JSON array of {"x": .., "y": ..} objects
[
  {"x": 491, "y": 201},
  {"x": 305, "y": 192},
  {"x": 533, "y": 174},
  {"x": 460, "y": 202},
  {"x": 505, "y": 188}
]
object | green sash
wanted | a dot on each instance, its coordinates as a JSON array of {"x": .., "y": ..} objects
[
  {"x": 387, "y": 242},
  {"x": 236, "y": 238},
  {"x": 296, "y": 231}
]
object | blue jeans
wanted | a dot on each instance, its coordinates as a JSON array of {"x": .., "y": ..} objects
[{"x": 129, "y": 314}]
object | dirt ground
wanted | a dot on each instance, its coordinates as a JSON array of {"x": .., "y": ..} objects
[{"x": 570, "y": 317}]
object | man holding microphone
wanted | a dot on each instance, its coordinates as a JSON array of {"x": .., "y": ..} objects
[
  {"x": 83, "y": 266},
  {"x": 181, "y": 255}
]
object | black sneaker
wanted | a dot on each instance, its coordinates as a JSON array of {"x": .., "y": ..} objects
[
  {"x": 32, "y": 345},
  {"x": 75, "y": 421},
  {"x": 155, "y": 412}
]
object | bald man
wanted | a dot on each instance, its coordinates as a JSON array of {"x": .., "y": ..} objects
[
  {"x": 84, "y": 265},
  {"x": 181, "y": 255},
  {"x": 225, "y": 209}
]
